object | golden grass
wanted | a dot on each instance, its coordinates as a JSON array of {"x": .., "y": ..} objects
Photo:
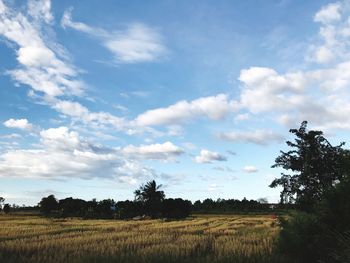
[{"x": 226, "y": 238}]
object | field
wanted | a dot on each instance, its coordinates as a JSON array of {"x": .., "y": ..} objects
[{"x": 212, "y": 238}]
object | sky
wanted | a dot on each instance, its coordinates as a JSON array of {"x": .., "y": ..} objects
[{"x": 99, "y": 97}]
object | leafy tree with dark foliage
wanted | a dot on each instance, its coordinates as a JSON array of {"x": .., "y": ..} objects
[
  {"x": 48, "y": 204},
  {"x": 129, "y": 209},
  {"x": 176, "y": 208},
  {"x": 320, "y": 232},
  {"x": 315, "y": 164},
  {"x": 72, "y": 207}
]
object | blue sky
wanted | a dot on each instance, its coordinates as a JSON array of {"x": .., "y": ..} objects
[{"x": 98, "y": 98}]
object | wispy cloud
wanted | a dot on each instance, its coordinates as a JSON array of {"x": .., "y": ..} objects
[
  {"x": 261, "y": 137},
  {"x": 134, "y": 44},
  {"x": 41, "y": 68}
]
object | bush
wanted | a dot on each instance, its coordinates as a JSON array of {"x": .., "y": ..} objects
[
  {"x": 322, "y": 236},
  {"x": 300, "y": 237}
]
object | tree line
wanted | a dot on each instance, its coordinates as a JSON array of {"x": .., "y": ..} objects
[{"x": 149, "y": 202}]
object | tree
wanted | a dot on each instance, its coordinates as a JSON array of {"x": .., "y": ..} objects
[
  {"x": 149, "y": 192},
  {"x": 6, "y": 208},
  {"x": 48, "y": 204},
  {"x": 150, "y": 195},
  {"x": 176, "y": 208},
  {"x": 316, "y": 167}
]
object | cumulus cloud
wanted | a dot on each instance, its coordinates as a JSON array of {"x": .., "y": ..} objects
[
  {"x": 158, "y": 151},
  {"x": 329, "y": 13},
  {"x": 261, "y": 137},
  {"x": 213, "y": 107},
  {"x": 62, "y": 153},
  {"x": 22, "y": 124},
  {"x": 333, "y": 36},
  {"x": 265, "y": 90},
  {"x": 136, "y": 43},
  {"x": 206, "y": 156},
  {"x": 315, "y": 95},
  {"x": 249, "y": 169}
]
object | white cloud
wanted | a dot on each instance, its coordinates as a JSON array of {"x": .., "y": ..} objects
[
  {"x": 329, "y": 13},
  {"x": 94, "y": 119},
  {"x": 264, "y": 89},
  {"x": 206, "y": 156},
  {"x": 64, "y": 154},
  {"x": 22, "y": 124},
  {"x": 164, "y": 151},
  {"x": 43, "y": 69},
  {"x": 40, "y": 9},
  {"x": 334, "y": 35},
  {"x": 214, "y": 107},
  {"x": 249, "y": 169},
  {"x": 137, "y": 43},
  {"x": 258, "y": 137},
  {"x": 71, "y": 108},
  {"x": 314, "y": 95},
  {"x": 324, "y": 54}
]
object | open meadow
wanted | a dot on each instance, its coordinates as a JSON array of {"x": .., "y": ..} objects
[{"x": 229, "y": 238}]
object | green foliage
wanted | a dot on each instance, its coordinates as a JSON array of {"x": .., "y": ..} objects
[
  {"x": 300, "y": 237},
  {"x": 321, "y": 186},
  {"x": 315, "y": 164}
]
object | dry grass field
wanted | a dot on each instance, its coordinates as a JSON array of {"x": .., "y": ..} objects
[{"x": 212, "y": 238}]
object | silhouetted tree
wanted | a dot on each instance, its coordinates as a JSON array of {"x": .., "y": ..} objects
[
  {"x": 176, "y": 208},
  {"x": 150, "y": 195},
  {"x": 72, "y": 207},
  {"x": 6, "y": 208},
  {"x": 106, "y": 208},
  {"x": 129, "y": 209},
  {"x": 316, "y": 166},
  {"x": 48, "y": 204}
]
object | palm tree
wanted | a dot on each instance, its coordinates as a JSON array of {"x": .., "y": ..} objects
[
  {"x": 149, "y": 192},
  {"x": 151, "y": 197}
]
